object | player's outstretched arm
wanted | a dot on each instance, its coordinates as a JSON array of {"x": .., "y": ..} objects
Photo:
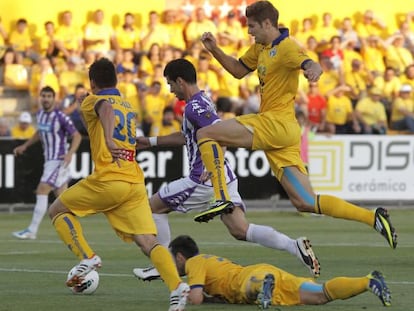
[{"x": 230, "y": 63}]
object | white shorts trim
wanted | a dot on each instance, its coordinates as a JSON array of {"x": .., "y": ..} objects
[
  {"x": 55, "y": 173},
  {"x": 184, "y": 195}
]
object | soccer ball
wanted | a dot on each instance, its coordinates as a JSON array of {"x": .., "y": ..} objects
[{"x": 89, "y": 283}]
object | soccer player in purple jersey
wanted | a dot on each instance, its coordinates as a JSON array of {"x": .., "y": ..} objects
[
  {"x": 54, "y": 129},
  {"x": 196, "y": 190}
]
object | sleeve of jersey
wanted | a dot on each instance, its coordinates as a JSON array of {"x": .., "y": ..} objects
[
  {"x": 249, "y": 59},
  {"x": 88, "y": 108},
  {"x": 67, "y": 123},
  {"x": 199, "y": 114},
  {"x": 196, "y": 272}
]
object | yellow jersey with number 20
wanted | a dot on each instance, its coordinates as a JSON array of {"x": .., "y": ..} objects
[{"x": 124, "y": 137}]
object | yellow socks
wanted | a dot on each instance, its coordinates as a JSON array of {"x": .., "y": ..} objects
[
  {"x": 344, "y": 287},
  {"x": 213, "y": 159},
  {"x": 164, "y": 263},
  {"x": 338, "y": 208},
  {"x": 70, "y": 232}
]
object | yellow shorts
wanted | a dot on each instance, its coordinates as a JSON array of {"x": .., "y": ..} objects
[
  {"x": 278, "y": 137},
  {"x": 125, "y": 205},
  {"x": 287, "y": 286}
]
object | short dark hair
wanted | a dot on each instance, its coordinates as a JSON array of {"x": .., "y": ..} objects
[
  {"x": 262, "y": 10},
  {"x": 185, "y": 245},
  {"x": 181, "y": 68},
  {"x": 48, "y": 89},
  {"x": 102, "y": 72},
  {"x": 168, "y": 109}
]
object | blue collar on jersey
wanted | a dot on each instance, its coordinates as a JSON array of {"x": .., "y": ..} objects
[
  {"x": 284, "y": 33},
  {"x": 111, "y": 91}
]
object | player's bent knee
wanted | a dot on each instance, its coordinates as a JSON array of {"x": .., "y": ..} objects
[
  {"x": 56, "y": 208},
  {"x": 239, "y": 236},
  {"x": 237, "y": 232},
  {"x": 146, "y": 242}
]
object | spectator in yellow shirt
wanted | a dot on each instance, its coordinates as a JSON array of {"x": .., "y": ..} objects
[
  {"x": 350, "y": 53},
  {"x": 70, "y": 76},
  {"x": 175, "y": 22},
  {"x": 46, "y": 41},
  {"x": 207, "y": 78},
  {"x": 370, "y": 25},
  {"x": 396, "y": 55},
  {"x": 373, "y": 50},
  {"x": 199, "y": 25},
  {"x": 98, "y": 36},
  {"x": 370, "y": 113},
  {"x": 15, "y": 73},
  {"x": 231, "y": 29},
  {"x": 340, "y": 117},
  {"x": 24, "y": 128},
  {"x": 307, "y": 31},
  {"x": 168, "y": 124},
  {"x": 358, "y": 79},
  {"x": 20, "y": 39},
  {"x": 402, "y": 116},
  {"x": 154, "y": 32},
  {"x": 127, "y": 35},
  {"x": 330, "y": 78},
  {"x": 43, "y": 75},
  {"x": 327, "y": 30},
  {"x": 153, "y": 104},
  {"x": 69, "y": 37},
  {"x": 390, "y": 85}
]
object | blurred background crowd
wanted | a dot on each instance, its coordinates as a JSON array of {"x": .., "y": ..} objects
[{"x": 367, "y": 86}]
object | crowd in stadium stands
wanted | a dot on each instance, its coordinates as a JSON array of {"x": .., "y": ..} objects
[{"x": 366, "y": 88}]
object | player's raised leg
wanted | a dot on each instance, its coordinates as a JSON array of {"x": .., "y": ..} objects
[{"x": 298, "y": 187}]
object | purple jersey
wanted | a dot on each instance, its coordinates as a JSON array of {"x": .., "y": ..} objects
[
  {"x": 199, "y": 112},
  {"x": 54, "y": 129}
]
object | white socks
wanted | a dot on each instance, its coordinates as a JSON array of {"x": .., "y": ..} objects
[
  {"x": 163, "y": 229},
  {"x": 269, "y": 237},
  {"x": 38, "y": 212}
]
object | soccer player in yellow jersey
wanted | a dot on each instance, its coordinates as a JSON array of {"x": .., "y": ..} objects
[
  {"x": 278, "y": 61},
  {"x": 216, "y": 279},
  {"x": 115, "y": 188}
]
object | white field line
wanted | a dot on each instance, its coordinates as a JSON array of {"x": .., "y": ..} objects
[
  {"x": 224, "y": 244},
  {"x": 128, "y": 275},
  {"x": 58, "y": 272}
]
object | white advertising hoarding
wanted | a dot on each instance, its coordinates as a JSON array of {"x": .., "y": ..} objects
[{"x": 363, "y": 167}]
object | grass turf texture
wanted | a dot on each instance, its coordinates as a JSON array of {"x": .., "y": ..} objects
[{"x": 32, "y": 273}]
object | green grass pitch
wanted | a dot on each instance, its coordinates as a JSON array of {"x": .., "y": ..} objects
[{"x": 32, "y": 273}]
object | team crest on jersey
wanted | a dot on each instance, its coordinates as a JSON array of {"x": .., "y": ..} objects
[
  {"x": 261, "y": 70},
  {"x": 272, "y": 52}
]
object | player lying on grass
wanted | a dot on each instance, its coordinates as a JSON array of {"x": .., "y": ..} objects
[{"x": 212, "y": 278}]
